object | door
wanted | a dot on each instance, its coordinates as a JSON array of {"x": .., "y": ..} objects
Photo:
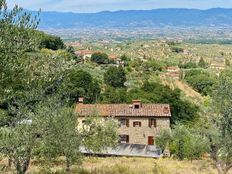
[{"x": 150, "y": 140}]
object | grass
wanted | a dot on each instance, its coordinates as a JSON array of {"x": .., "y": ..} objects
[{"x": 123, "y": 165}]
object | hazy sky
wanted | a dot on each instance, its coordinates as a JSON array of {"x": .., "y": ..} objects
[{"x": 112, "y": 5}]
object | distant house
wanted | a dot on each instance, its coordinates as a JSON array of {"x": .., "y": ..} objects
[
  {"x": 218, "y": 64},
  {"x": 116, "y": 59},
  {"x": 138, "y": 123},
  {"x": 84, "y": 54},
  {"x": 174, "y": 72}
]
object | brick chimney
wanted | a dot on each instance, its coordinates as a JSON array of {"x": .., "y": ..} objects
[
  {"x": 80, "y": 99},
  {"x": 136, "y": 104}
]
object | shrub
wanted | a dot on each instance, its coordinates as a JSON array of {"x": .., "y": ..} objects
[{"x": 177, "y": 49}]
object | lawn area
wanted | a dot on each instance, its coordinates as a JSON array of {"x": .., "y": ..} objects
[{"x": 123, "y": 165}]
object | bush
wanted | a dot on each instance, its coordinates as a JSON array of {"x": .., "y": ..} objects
[{"x": 177, "y": 49}]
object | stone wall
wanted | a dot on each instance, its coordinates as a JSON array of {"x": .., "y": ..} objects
[{"x": 139, "y": 135}]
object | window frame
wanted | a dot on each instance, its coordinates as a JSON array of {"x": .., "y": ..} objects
[
  {"x": 152, "y": 122},
  {"x": 126, "y": 124},
  {"x": 124, "y": 139},
  {"x": 137, "y": 124}
]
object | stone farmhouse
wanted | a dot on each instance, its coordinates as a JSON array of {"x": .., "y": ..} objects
[{"x": 138, "y": 123}]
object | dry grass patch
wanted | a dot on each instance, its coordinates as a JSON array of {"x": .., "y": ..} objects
[{"x": 122, "y": 165}]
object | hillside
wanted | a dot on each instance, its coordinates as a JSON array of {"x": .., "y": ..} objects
[{"x": 138, "y": 18}]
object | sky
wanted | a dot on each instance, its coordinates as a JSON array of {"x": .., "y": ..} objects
[{"x": 114, "y": 5}]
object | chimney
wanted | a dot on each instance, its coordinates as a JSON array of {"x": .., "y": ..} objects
[
  {"x": 166, "y": 110},
  {"x": 80, "y": 99},
  {"x": 136, "y": 104}
]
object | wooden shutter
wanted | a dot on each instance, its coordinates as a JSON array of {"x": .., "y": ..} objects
[
  {"x": 127, "y": 122},
  {"x": 139, "y": 124},
  {"x": 149, "y": 122},
  {"x": 154, "y": 120}
]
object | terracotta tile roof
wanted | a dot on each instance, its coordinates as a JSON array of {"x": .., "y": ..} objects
[
  {"x": 147, "y": 110},
  {"x": 83, "y": 52}
]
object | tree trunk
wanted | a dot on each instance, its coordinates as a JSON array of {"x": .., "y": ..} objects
[
  {"x": 21, "y": 169},
  {"x": 9, "y": 162},
  {"x": 220, "y": 168},
  {"x": 68, "y": 164},
  {"x": 18, "y": 167},
  {"x": 26, "y": 164}
]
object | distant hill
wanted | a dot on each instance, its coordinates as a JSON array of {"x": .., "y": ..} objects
[{"x": 138, "y": 18}]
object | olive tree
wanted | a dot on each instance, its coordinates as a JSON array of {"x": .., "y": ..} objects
[
  {"x": 65, "y": 137},
  {"x": 220, "y": 134},
  {"x": 183, "y": 142}
]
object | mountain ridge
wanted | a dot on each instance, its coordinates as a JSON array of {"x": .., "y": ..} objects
[{"x": 174, "y": 17}]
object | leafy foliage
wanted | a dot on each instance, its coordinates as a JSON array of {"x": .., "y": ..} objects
[
  {"x": 80, "y": 83},
  {"x": 50, "y": 42},
  {"x": 202, "y": 63},
  {"x": 177, "y": 49},
  {"x": 115, "y": 77},
  {"x": 100, "y": 58},
  {"x": 182, "y": 111},
  {"x": 220, "y": 132},
  {"x": 188, "y": 65},
  {"x": 201, "y": 81},
  {"x": 183, "y": 142}
]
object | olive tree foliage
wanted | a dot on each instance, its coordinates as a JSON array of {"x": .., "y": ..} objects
[
  {"x": 65, "y": 137},
  {"x": 220, "y": 133},
  {"x": 21, "y": 116},
  {"x": 60, "y": 135},
  {"x": 183, "y": 142},
  {"x": 17, "y": 142},
  {"x": 16, "y": 38}
]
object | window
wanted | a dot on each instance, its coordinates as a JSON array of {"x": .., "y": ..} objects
[
  {"x": 123, "y": 138},
  {"x": 137, "y": 124},
  {"x": 123, "y": 122},
  {"x": 83, "y": 121},
  {"x": 152, "y": 122},
  {"x": 136, "y": 106}
]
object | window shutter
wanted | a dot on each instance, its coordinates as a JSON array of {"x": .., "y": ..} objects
[
  {"x": 155, "y": 123},
  {"x": 139, "y": 124},
  {"x": 149, "y": 122},
  {"x": 127, "y": 122}
]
